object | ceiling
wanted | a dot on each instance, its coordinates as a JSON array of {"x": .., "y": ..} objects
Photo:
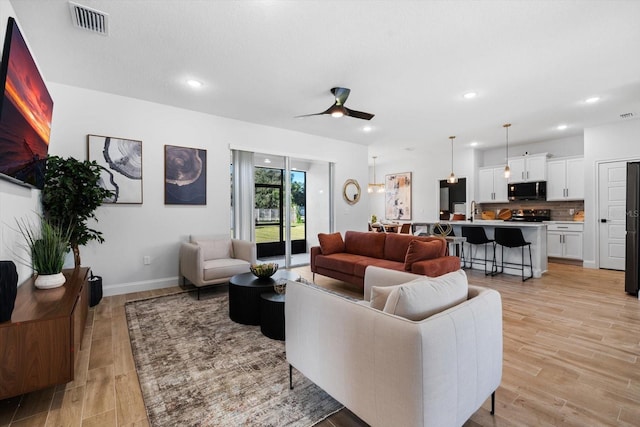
[{"x": 531, "y": 63}]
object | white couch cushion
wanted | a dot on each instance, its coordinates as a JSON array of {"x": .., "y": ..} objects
[
  {"x": 379, "y": 294},
  {"x": 427, "y": 296},
  {"x": 215, "y": 249},
  {"x": 221, "y": 268}
]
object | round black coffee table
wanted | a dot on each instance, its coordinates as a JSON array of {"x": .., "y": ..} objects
[
  {"x": 272, "y": 315},
  {"x": 244, "y": 295}
]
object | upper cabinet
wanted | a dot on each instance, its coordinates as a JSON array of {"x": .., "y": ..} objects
[
  {"x": 528, "y": 168},
  {"x": 492, "y": 185},
  {"x": 565, "y": 179}
]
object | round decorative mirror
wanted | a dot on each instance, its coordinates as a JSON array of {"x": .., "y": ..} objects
[{"x": 351, "y": 191}]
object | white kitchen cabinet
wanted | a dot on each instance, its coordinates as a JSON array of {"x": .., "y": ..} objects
[
  {"x": 529, "y": 168},
  {"x": 565, "y": 179},
  {"x": 564, "y": 240},
  {"x": 492, "y": 185}
]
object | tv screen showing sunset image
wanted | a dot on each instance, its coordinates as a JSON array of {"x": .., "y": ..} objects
[{"x": 25, "y": 114}]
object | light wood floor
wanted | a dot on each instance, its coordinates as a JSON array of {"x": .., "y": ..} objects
[{"x": 571, "y": 357}]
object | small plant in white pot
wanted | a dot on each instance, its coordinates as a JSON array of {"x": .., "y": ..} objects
[{"x": 48, "y": 245}]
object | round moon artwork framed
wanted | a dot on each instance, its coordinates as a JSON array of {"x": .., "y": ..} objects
[{"x": 185, "y": 176}]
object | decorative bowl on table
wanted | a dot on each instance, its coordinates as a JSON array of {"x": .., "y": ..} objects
[{"x": 264, "y": 271}]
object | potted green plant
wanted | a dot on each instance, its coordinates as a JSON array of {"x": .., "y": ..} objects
[
  {"x": 48, "y": 245},
  {"x": 71, "y": 194}
]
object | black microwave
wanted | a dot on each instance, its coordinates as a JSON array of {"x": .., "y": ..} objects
[{"x": 528, "y": 191}]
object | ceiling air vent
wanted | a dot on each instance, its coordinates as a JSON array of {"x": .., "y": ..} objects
[
  {"x": 626, "y": 115},
  {"x": 89, "y": 19}
]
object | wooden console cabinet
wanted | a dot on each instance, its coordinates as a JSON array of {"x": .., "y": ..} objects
[{"x": 38, "y": 346}]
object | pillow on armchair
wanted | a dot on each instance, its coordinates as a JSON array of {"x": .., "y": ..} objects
[{"x": 215, "y": 249}]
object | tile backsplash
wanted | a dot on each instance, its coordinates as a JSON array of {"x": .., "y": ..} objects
[{"x": 559, "y": 210}]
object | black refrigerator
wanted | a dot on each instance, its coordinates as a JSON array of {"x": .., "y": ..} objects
[{"x": 632, "y": 244}]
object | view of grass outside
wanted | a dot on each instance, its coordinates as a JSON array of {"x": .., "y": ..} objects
[{"x": 271, "y": 233}]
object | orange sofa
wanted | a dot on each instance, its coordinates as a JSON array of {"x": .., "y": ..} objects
[{"x": 347, "y": 259}]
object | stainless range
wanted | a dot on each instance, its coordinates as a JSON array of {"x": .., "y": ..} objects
[{"x": 530, "y": 215}]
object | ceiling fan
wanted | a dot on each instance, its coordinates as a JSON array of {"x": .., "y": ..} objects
[{"x": 338, "y": 109}]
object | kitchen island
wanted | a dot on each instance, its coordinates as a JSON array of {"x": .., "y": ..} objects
[{"x": 534, "y": 232}]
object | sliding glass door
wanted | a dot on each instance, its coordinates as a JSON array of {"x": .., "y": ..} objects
[{"x": 270, "y": 219}]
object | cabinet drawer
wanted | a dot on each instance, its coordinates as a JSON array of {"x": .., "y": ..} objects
[{"x": 565, "y": 227}]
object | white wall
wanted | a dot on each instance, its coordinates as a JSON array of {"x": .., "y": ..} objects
[
  {"x": 153, "y": 228},
  {"x": 428, "y": 167},
  {"x": 613, "y": 142}
]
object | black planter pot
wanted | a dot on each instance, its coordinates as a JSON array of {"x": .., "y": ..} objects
[{"x": 8, "y": 289}]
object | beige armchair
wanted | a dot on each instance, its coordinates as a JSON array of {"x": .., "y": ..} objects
[{"x": 212, "y": 260}]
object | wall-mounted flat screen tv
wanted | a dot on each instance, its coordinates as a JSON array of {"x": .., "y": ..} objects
[{"x": 25, "y": 112}]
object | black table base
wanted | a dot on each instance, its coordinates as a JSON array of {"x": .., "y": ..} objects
[
  {"x": 244, "y": 295},
  {"x": 272, "y": 315}
]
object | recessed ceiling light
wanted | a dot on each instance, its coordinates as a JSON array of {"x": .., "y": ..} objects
[
  {"x": 194, "y": 83},
  {"x": 367, "y": 129},
  {"x": 562, "y": 127},
  {"x": 474, "y": 143},
  {"x": 592, "y": 99},
  {"x": 470, "y": 95}
]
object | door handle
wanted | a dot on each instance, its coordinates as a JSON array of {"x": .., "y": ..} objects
[{"x": 603, "y": 220}]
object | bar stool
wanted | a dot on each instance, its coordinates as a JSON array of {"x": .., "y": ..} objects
[
  {"x": 513, "y": 238},
  {"x": 477, "y": 236}
]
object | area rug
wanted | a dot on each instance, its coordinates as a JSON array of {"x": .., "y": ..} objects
[{"x": 199, "y": 368}]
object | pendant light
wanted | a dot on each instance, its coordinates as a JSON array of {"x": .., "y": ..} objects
[
  {"x": 507, "y": 170},
  {"x": 375, "y": 187},
  {"x": 452, "y": 178}
]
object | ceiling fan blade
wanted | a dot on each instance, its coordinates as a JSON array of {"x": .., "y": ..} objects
[
  {"x": 358, "y": 114},
  {"x": 341, "y": 94},
  {"x": 309, "y": 115}
]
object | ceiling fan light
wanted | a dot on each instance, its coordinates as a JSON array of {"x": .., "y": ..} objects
[{"x": 337, "y": 113}]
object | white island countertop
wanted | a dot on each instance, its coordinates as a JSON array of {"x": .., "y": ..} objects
[
  {"x": 534, "y": 232},
  {"x": 487, "y": 222}
]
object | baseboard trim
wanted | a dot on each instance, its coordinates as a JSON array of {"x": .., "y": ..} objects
[{"x": 145, "y": 285}]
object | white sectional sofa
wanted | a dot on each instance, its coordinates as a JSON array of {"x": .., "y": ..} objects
[{"x": 391, "y": 371}]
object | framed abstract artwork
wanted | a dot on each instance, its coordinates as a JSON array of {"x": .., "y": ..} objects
[
  {"x": 185, "y": 176},
  {"x": 121, "y": 161},
  {"x": 397, "y": 196}
]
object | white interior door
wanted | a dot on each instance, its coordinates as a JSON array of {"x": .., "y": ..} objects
[{"x": 612, "y": 179}]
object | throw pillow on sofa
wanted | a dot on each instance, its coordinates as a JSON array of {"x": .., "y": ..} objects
[
  {"x": 330, "y": 243},
  {"x": 419, "y": 251},
  {"x": 379, "y": 294},
  {"x": 422, "y": 298}
]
